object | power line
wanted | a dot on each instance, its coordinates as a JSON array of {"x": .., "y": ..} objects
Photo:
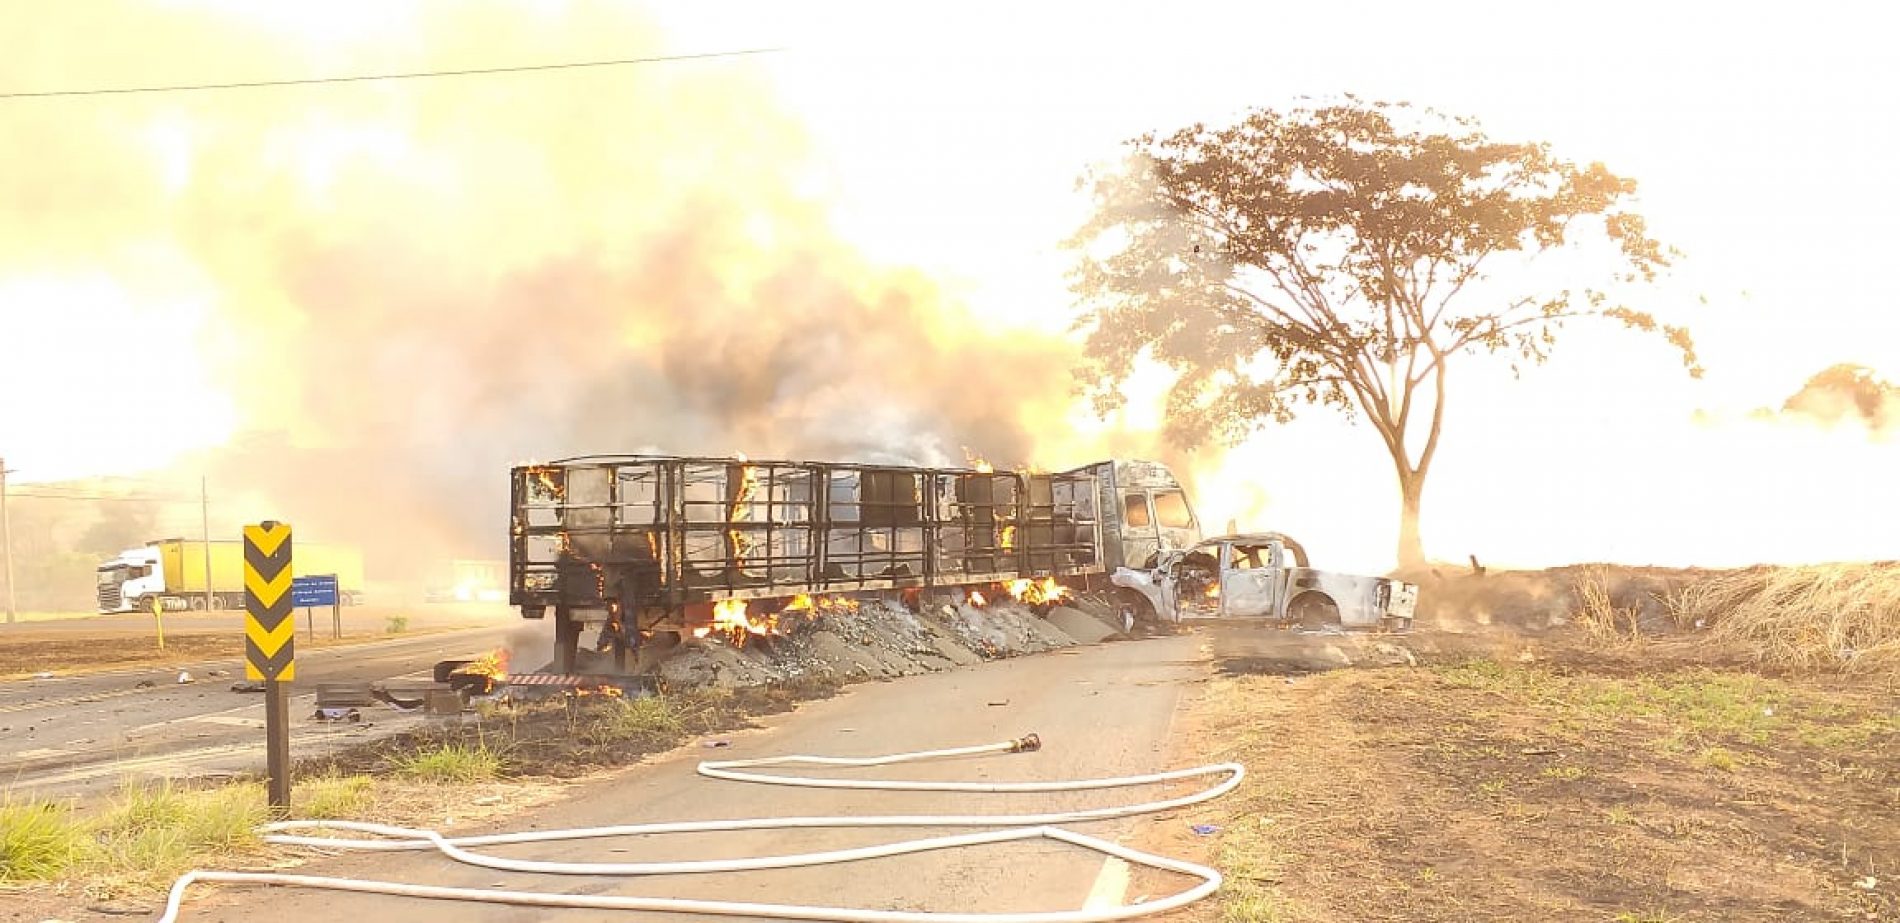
[
  {"x": 35, "y": 495},
  {"x": 408, "y": 75}
]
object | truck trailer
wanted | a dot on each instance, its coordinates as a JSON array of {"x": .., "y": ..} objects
[
  {"x": 639, "y": 546},
  {"x": 172, "y": 572}
]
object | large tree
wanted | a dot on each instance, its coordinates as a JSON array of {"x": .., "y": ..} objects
[{"x": 1341, "y": 255}]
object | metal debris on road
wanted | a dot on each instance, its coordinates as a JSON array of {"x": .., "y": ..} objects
[
  {"x": 247, "y": 687},
  {"x": 716, "y": 744},
  {"x": 337, "y": 714},
  {"x": 1206, "y": 829},
  {"x": 184, "y": 676}
]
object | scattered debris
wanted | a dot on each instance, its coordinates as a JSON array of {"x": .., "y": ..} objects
[
  {"x": 1205, "y": 829},
  {"x": 145, "y": 684},
  {"x": 999, "y": 704},
  {"x": 247, "y": 687},
  {"x": 1867, "y": 884},
  {"x": 1537, "y": 751},
  {"x": 184, "y": 676},
  {"x": 338, "y": 714},
  {"x": 716, "y": 744},
  {"x": 46, "y": 675},
  {"x": 397, "y": 702}
]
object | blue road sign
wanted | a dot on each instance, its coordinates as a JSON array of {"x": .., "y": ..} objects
[{"x": 313, "y": 591}]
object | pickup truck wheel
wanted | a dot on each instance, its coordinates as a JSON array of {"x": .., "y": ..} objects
[
  {"x": 1314, "y": 611},
  {"x": 1135, "y": 608}
]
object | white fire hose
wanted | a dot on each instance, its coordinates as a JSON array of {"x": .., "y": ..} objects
[{"x": 1014, "y": 827}]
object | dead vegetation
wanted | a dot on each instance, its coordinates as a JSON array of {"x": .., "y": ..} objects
[
  {"x": 1823, "y": 617},
  {"x": 1606, "y": 786}
]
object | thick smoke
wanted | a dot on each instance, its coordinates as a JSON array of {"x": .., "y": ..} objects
[
  {"x": 416, "y": 285},
  {"x": 1847, "y": 393}
]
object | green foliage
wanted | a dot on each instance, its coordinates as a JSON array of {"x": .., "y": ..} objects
[
  {"x": 39, "y": 839},
  {"x": 396, "y": 624},
  {"x": 332, "y": 797},
  {"x": 151, "y": 834},
  {"x": 451, "y": 762},
  {"x": 654, "y": 719},
  {"x": 1340, "y": 256}
]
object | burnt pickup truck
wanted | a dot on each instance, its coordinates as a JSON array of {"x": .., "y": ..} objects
[{"x": 1262, "y": 576}]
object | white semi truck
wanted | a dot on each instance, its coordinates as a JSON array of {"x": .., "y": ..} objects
[{"x": 173, "y": 571}]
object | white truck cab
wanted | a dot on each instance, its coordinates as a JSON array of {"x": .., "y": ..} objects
[{"x": 130, "y": 580}]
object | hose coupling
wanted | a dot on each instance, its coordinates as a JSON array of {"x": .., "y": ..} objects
[{"x": 1029, "y": 743}]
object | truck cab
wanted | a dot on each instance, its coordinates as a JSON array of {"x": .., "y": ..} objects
[
  {"x": 1263, "y": 576},
  {"x": 127, "y": 581}
]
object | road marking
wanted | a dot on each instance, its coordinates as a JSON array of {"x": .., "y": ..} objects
[
  {"x": 1111, "y": 886},
  {"x": 231, "y": 720},
  {"x": 70, "y": 700}
]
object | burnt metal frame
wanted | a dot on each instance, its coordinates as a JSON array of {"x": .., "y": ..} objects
[{"x": 792, "y": 532}]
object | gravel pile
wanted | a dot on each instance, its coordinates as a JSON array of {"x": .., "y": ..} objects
[{"x": 880, "y": 639}]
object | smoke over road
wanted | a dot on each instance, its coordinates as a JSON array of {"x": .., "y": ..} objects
[{"x": 405, "y": 288}]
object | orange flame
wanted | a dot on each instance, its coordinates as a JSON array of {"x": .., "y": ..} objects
[
  {"x": 1037, "y": 592},
  {"x": 1213, "y": 591},
  {"x": 1009, "y": 537},
  {"x": 732, "y": 622},
  {"x": 977, "y": 599},
  {"x": 748, "y": 483},
  {"x": 492, "y": 665}
]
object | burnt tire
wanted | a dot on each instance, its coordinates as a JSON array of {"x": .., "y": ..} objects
[
  {"x": 1135, "y": 609},
  {"x": 1313, "y": 610}
]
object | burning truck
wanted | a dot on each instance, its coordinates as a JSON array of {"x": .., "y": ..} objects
[{"x": 641, "y": 546}]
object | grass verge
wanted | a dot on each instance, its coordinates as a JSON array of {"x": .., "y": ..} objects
[{"x": 1592, "y": 788}]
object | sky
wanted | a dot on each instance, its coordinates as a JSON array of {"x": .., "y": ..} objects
[{"x": 942, "y": 145}]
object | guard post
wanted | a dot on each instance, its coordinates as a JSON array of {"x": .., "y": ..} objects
[{"x": 270, "y": 641}]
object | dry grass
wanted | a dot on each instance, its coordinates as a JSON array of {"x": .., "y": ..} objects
[
  {"x": 1600, "y": 618},
  {"x": 1835, "y": 616}
]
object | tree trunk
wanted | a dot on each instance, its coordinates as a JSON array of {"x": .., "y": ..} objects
[{"x": 1411, "y": 547}]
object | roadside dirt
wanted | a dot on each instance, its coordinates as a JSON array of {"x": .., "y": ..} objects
[{"x": 1531, "y": 780}]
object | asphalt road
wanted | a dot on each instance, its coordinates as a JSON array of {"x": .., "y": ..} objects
[
  {"x": 1101, "y": 711},
  {"x": 80, "y": 733}
]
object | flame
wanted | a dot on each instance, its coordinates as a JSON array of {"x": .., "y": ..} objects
[
  {"x": 1009, "y": 537},
  {"x": 1037, "y": 592},
  {"x": 732, "y": 622},
  {"x": 978, "y": 462},
  {"x": 805, "y": 604},
  {"x": 493, "y": 666},
  {"x": 1213, "y": 591},
  {"x": 977, "y": 599},
  {"x": 748, "y": 483},
  {"x": 545, "y": 476}
]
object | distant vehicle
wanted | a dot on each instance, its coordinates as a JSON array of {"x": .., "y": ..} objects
[
  {"x": 640, "y": 545},
  {"x": 172, "y": 571},
  {"x": 1265, "y": 576}
]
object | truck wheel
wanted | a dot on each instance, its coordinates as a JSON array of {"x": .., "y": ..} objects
[
  {"x": 1314, "y": 611},
  {"x": 197, "y": 604}
]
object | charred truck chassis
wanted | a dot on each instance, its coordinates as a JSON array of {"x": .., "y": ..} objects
[{"x": 638, "y": 545}]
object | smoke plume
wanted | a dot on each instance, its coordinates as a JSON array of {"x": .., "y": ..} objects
[{"x": 412, "y": 286}]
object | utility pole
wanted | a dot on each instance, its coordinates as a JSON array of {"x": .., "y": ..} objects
[
  {"x": 6, "y": 542},
  {"x": 204, "y": 521}
]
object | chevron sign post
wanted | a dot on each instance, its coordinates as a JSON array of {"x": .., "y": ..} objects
[{"x": 270, "y": 636}]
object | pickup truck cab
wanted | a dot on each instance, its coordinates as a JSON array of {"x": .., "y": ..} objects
[{"x": 1261, "y": 576}]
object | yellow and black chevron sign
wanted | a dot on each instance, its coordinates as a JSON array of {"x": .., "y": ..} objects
[{"x": 270, "y": 633}]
